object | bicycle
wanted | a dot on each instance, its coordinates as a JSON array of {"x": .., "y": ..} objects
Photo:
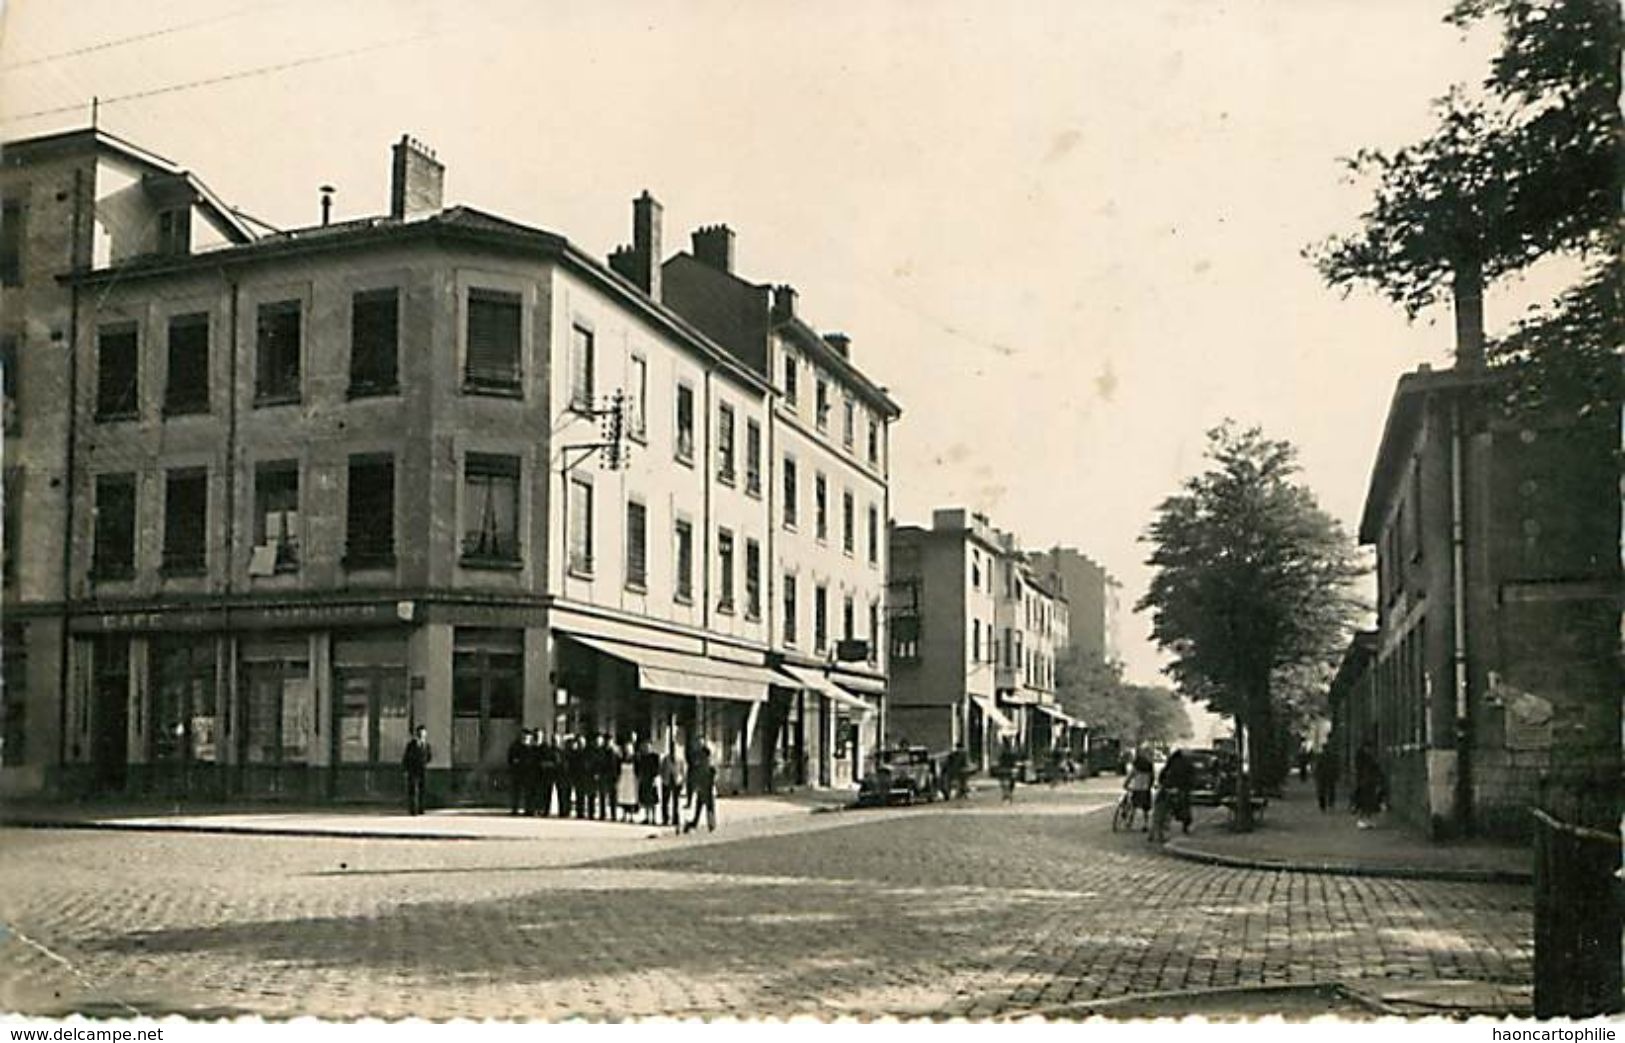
[{"x": 1123, "y": 817}]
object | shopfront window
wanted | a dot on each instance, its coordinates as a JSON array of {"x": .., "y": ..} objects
[
  {"x": 182, "y": 719},
  {"x": 280, "y": 710},
  {"x": 371, "y": 699},
  {"x": 487, "y": 683}
]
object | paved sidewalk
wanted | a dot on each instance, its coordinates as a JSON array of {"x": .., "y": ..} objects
[
  {"x": 387, "y": 822},
  {"x": 1294, "y": 834}
]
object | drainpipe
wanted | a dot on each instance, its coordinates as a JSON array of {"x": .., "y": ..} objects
[
  {"x": 229, "y": 717},
  {"x": 69, "y": 471},
  {"x": 1458, "y": 612}
]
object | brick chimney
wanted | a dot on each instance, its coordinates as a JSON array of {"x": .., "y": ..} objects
[
  {"x": 416, "y": 180},
  {"x": 841, "y": 343},
  {"x": 784, "y": 303},
  {"x": 640, "y": 262},
  {"x": 714, "y": 246}
]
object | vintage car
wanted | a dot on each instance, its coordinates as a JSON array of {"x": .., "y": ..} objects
[
  {"x": 902, "y": 775},
  {"x": 1213, "y": 772}
]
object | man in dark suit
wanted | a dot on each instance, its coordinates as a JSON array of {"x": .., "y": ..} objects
[
  {"x": 415, "y": 761},
  {"x": 547, "y": 775},
  {"x": 516, "y": 772}
]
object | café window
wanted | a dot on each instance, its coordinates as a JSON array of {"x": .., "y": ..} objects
[
  {"x": 10, "y": 382},
  {"x": 372, "y": 707},
  {"x": 113, "y": 556},
  {"x": 725, "y": 571},
  {"x": 370, "y": 513},
  {"x": 753, "y": 458},
  {"x": 279, "y": 719},
  {"x": 375, "y": 332},
  {"x": 186, "y": 388},
  {"x": 684, "y": 558},
  {"x": 487, "y": 688},
  {"x": 493, "y": 341},
  {"x": 278, "y": 344},
  {"x": 637, "y": 545},
  {"x": 182, "y": 719},
  {"x": 13, "y": 697},
  {"x": 753, "y": 579},
  {"x": 118, "y": 370},
  {"x": 581, "y": 369},
  {"x": 490, "y": 509},
  {"x": 685, "y": 423},
  {"x": 186, "y": 515},
  {"x": 276, "y": 518},
  {"x": 580, "y": 558}
]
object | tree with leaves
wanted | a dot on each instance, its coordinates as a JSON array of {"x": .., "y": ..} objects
[
  {"x": 1093, "y": 690},
  {"x": 1253, "y": 584},
  {"x": 1528, "y": 168}
]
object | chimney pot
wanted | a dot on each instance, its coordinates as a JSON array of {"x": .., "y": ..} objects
[
  {"x": 417, "y": 180},
  {"x": 714, "y": 246},
  {"x": 841, "y": 343},
  {"x": 642, "y": 263},
  {"x": 327, "y": 204},
  {"x": 784, "y": 303}
]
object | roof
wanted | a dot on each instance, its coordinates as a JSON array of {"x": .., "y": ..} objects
[
  {"x": 460, "y": 224},
  {"x": 96, "y": 139},
  {"x": 813, "y": 343},
  {"x": 1404, "y": 414}
]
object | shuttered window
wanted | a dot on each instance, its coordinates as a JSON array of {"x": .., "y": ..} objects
[
  {"x": 685, "y": 561},
  {"x": 186, "y": 513},
  {"x": 370, "y": 529},
  {"x": 493, "y": 341},
  {"x": 374, "y": 342},
  {"x": 118, "y": 391},
  {"x": 581, "y": 368},
  {"x": 637, "y": 545}
]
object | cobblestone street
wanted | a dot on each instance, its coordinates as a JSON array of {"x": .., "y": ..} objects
[{"x": 979, "y": 910}]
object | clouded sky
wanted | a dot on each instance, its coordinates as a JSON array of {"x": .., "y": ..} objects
[{"x": 1065, "y": 234}]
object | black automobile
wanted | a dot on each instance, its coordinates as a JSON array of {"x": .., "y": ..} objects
[
  {"x": 1211, "y": 774},
  {"x": 903, "y": 775}
]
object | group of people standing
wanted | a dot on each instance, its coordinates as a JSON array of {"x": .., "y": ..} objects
[
  {"x": 593, "y": 777},
  {"x": 1370, "y": 792},
  {"x": 1157, "y": 798}
]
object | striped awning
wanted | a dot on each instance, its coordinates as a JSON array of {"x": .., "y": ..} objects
[{"x": 682, "y": 673}]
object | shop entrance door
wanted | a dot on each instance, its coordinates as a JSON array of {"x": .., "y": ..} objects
[{"x": 110, "y": 715}]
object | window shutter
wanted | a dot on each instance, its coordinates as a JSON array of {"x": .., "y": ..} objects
[{"x": 493, "y": 339}]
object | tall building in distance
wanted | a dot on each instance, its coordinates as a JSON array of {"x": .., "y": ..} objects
[
  {"x": 279, "y": 497},
  {"x": 1093, "y": 598}
]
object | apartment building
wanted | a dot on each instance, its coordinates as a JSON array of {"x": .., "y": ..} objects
[
  {"x": 1031, "y": 621},
  {"x": 1093, "y": 597},
  {"x": 429, "y": 467}
]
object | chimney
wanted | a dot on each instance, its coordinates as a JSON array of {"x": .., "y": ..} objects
[
  {"x": 784, "y": 303},
  {"x": 327, "y": 204},
  {"x": 640, "y": 262},
  {"x": 841, "y": 343},
  {"x": 1468, "y": 291},
  {"x": 714, "y": 246},
  {"x": 416, "y": 180}
]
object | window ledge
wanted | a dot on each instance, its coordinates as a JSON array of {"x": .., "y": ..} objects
[
  {"x": 471, "y": 387},
  {"x": 683, "y": 599},
  {"x": 111, "y": 575},
  {"x": 278, "y": 399},
  {"x": 355, "y": 391},
  {"x": 365, "y": 562},
  {"x": 726, "y": 478},
  {"x": 725, "y": 608},
  {"x": 686, "y": 461},
  {"x": 118, "y": 417},
  {"x": 637, "y": 587},
  {"x": 186, "y": 409},
  {"x": 753, "y": 617},
  {"x": 579, "y": 571},
  {"x": 491, "y": 564},
  {"x": 182, "y": 571}
]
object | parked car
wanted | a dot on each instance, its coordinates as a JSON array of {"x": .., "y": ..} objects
[
  {"x": 1106, "y": 755},
  {"x": 902, "y": 775},
  {"x": 1212, "y": 771}
]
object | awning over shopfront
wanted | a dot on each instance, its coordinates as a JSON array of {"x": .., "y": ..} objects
[
  {"x": 994, "y": 715},
  {"x": 861, "y": 685},
  {"x": 680, "y": 673},
  {"x": 812, "y": 679},
  {"x": 1055, "y": 712}
]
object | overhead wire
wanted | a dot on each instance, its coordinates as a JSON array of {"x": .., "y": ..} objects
[{"x": 121, "y": 41}]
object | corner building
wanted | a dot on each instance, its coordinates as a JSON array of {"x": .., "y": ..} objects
[{"x": 338, "y": 481}]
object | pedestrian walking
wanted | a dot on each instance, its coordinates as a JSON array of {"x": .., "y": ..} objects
[
  {"x": 702, "y": 790},
  {"x": 1369, "y": 786},
  {"x": 415, "y": 762},
  {"x": 646, "y": 767},
  {"x": 1009, "y": 765},
  {"x": 1139, "y": 784},
  {"x": 673, "y": 778},
  {"x": 1326, "y": 769},
  {"x": 516, "y": 772},
  {"x": 1178, "y": 778}
]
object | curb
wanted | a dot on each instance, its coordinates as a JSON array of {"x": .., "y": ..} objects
[
  {"x": 1104, "y": 1007},
  {"x": 1473, "y": 876},
  {"x": 245, "y": 831}
]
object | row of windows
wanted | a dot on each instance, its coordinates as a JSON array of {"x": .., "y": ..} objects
[
  {"x": 492, "y": 363},
  {"x": 792, "y": 512},
  {"x": 820, "y": 607},
  {"x": 822, "y": 408},
  {"x": 490, "y": 530}
]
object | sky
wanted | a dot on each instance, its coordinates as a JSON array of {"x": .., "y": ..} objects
[{"x": 1066, "y": 235}]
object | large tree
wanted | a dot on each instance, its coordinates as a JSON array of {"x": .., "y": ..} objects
[
  {"x": 1525, "y": 166},
  {"x": 1253, "y": 583},
  {"x": 1093, "y": 690}
]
